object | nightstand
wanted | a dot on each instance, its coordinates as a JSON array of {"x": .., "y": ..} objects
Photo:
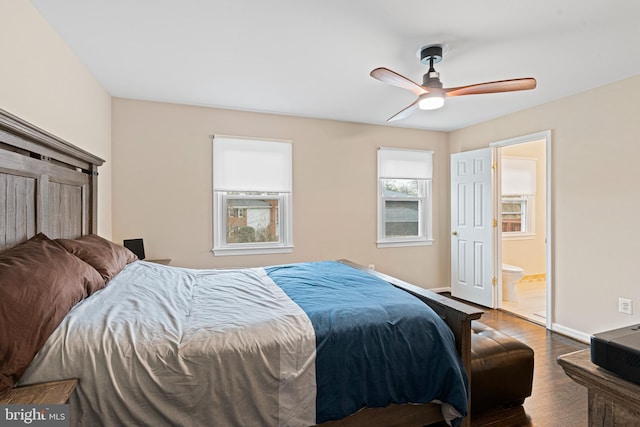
[{"x": 51, "y": 393}]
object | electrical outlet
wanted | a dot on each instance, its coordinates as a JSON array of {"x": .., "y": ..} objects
[{"x": 625, "y": 306}]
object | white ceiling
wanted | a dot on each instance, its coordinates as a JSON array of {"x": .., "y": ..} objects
[{"x": 313, "y": 58}]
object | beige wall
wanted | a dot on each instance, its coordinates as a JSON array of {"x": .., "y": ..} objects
[
  {"x": 162, "y": 190},
  {"x": 595, "y": 148},
  {"x": 43, "y": 82},
  {"x": 529, "y": 253}
]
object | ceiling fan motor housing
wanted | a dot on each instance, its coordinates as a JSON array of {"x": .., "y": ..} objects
[
  {"x": 431, "y": 52},
  {"x": 432, "y": 79},
  {"x": 430, "y": 55}
]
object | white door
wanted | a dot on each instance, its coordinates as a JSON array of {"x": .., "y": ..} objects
[{"x": 472, "y": 227}]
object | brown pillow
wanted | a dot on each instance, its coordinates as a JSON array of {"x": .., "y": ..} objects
[
  {"x": 39, "y": 284},
  {"x": 105, "y": 256}
]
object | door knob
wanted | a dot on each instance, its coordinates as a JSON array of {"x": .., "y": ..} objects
[{"x": 454, "y": 233}]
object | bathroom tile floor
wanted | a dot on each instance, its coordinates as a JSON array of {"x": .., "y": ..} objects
[{"x": 531, "y": 303}]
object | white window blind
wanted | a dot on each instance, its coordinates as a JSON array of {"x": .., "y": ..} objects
[
  {"x": 405, "y": 163},
  {"x": 518, "y": 176},
  {"x": 245, "y": 164}
]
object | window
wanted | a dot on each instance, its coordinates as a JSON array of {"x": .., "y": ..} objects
[
  {"x": 517, "y": 215},
  {"x": 252, "y": 196},
  {"x": 404, "y": 197},
  {"x": 518, "y": 196}
]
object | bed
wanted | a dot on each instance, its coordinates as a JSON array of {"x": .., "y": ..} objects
[{"x": 53, "y": 187}]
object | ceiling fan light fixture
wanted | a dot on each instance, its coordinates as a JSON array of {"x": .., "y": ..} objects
[{"x": 431, "y": 101}]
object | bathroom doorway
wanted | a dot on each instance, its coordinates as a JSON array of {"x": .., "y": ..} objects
[{"x": 523, "y": 233}]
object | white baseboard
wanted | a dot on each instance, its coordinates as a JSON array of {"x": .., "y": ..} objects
[{"x": 571, "y": 333}]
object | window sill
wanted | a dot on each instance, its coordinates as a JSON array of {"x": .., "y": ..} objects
[
  {"x": 398, "y": 244},
  {"x": 252, "y": 251}
]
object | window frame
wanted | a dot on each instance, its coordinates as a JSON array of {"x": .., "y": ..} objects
[
  {"x": 283, "y": 245},
  {"x": 425, "y": 206},
  {"x": 284, "y": 216},
  {"x": 528, "y": 213}
]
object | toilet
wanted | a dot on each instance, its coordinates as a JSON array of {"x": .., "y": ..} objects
[{"x": 510, "y": 275}]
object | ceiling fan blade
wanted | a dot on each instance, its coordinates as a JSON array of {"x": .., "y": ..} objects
[
  {"x": 405, "y": 113},
  {"x": 385, "y": 75},
  {"x": 493, "y": 87}
]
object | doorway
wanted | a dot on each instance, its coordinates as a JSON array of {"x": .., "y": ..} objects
[{"x": 522, "y": 205}]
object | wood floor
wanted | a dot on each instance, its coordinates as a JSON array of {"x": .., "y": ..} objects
[{"x": 556, "y": 400}]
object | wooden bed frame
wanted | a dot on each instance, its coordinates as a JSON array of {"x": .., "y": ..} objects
[{"x": 48, "y": 185}]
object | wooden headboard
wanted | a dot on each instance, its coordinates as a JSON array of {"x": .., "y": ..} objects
[{"x": 46, "y": 184}]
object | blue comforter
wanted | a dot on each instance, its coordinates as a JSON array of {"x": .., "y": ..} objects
[{"x": 376, "y": 344}]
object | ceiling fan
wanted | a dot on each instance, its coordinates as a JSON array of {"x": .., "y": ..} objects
[{"x": 431, "y": 94}]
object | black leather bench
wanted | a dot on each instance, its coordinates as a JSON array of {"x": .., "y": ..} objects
[{"x": 501, "y": 369}]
